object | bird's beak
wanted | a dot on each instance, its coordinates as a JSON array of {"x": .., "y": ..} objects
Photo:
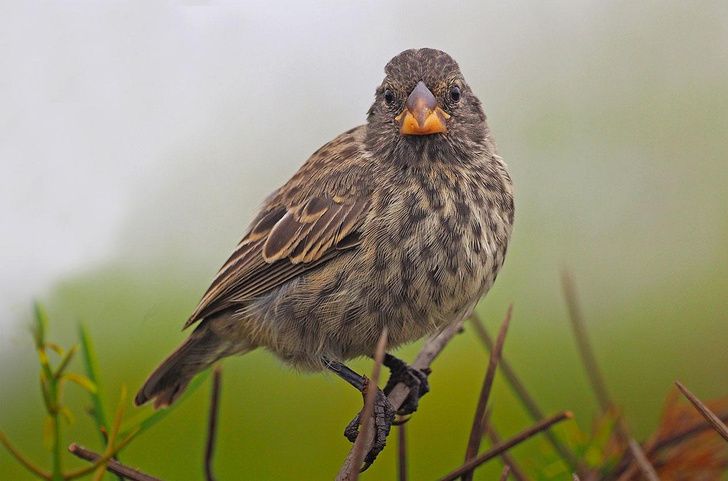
[{"x": 421, "y": 115}]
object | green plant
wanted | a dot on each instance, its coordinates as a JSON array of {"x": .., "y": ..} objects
[{"x": 115, "y": 434}]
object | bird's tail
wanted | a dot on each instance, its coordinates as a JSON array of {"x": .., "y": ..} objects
[{"x": 196, "y": 354}]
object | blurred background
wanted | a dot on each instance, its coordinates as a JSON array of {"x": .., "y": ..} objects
[{"x": 138, "y": 139}]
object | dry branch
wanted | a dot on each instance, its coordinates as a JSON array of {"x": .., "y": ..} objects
[
  {"x": 526, "y": 399},
  {"x": 432, "y": 348},
  {"x": 212, "y": 422},
  {"x": 402, "y": 452},
  {"x": 709, "y": 415},
  {"x": 361, "y": 446},
  {"x": 504, "y": 474},
  {"x": 497, "y": 450},
  {"x": 642, "y": 462},
  {"x": 508, "y": 460},
  {"x": 112, "y": 465},
  {"x": 587, "y": 354},
  {"x": 476, "y": 433}
]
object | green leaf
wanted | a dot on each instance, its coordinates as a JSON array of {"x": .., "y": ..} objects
[
  {"x": 92, "y": 371},
  {"x": 55, "y": 348},
  {"x": 144, "y": 422},
  {"x": 65, "y": 361},
  {"x": 87, "y": 384},
  {"x": 41, "y": 324},
  {"x": 67, "y": 415}
]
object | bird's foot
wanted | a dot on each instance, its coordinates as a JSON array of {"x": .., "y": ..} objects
[
  {"x": 413, "y": 378},
  {"x": 383, "y": 419}
]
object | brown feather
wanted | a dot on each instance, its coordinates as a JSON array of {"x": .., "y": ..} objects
[{"x": 298, "y": 230}]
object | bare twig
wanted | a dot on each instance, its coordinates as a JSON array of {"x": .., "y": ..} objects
[
  {"x": 504, "y": 474},
  {"x": 709, "y": 415},
  {"x": 587, "y": 354},
  {"x": 526, "y": 399},
  {"x": 685, "y": 434},
  {"x": 644, "y": 464},
  {"x": 476, "y": 433},
  {"x": 497, "y": 450},
  {"x": 582, "y": 341},
  {"x": 361, "y": 446},
  {"x": 432, "y": 348},
  {"x": 508, "y": 460},
  {"x": 212, "y": 422},
  {"x": 402, "y": 452},
  {"x": 626, "y": 469},
  {"x": 112, "y": 466}
]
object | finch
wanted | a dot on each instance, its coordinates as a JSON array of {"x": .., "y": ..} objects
[{"x": 402, "y": 223}]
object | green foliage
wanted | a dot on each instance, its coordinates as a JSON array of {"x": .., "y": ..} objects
[{"x": 53, "y": 378}]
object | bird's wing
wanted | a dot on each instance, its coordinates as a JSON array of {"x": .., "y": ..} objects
[{"x": 310, "y": 220}]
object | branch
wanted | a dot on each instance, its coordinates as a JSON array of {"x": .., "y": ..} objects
[
  {"x": 112, "y": 466},
  {"x": 582, "y": 341},
  {"x": 709, "y": 415},
  {"x": 526, "y": 399},
  {"x": 504, "y": 474},
  {"x": 587, "y": 354},
  {"x": 500, "y": 448},
  {"x": 507, "y": 459},
  {"x": 626, "y": 469},
  {"x": 402, "y": 451},
  {"x": 642, "y": 462},
  {"x": 212, "y": 422},
  {"x": 361, "y": 445},
  {"x": 432, "y": 348},
  {"x": 476, "y": 432}
]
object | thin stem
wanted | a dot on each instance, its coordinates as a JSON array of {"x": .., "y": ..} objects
[
  {"x": 526, "y": 399},
  {"x": 53, "y": 406},
  {"x": 497, "y": 450},
  {"x": 587, "y": 354},
  {"x": 20, "y": 457},
  {"x": 64, "y": 362},
  {"x": 432, "y": 348},
  {"x": 626, "y": 470},
  {"x": 644, "y": 464},
  {"x": 402, "y": 452},
  {"x": 212, "y": 422},
  {"x": 709, "y": 415},
  {"x": 508, "y": 460},
  {"x": 504, "y": 474},
  {"x": 476, "y": 433},
  {"x": 367, "y": 413},
  {"x": 104, "y": 458},
  {"x": 113, "y": 465},
  {"x": 582, "y": 342}
]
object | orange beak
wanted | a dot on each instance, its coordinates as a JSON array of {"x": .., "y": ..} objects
[{"x": 421, "y": 115}]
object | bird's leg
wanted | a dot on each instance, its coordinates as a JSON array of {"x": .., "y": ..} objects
[
  {"x": 383, "y": 410},
  {"x": 415, "y": 379}
]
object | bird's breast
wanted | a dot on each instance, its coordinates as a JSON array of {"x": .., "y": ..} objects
[{"x": 439, "y": 240}]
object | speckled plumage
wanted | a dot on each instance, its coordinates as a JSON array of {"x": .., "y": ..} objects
[{"x": 375, "y": 229}]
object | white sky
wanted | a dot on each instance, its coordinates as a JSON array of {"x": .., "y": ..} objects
[
  {"x": 119, "y": 120},
  {"x": 98, "y": 98}
]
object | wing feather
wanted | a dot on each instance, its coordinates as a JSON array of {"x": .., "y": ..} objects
[
  {"x": 283, "y": 244},
  {"x": 315, "y": 217}
]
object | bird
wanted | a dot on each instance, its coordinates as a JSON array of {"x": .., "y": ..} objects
[{"x": 400, "y": 223}]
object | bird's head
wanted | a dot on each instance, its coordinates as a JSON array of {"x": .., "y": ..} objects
[{"x": 424, "y": 103}]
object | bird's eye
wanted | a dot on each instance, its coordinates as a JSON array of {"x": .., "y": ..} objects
[
  {"x": 455, "y": 93},
  {"x": 389, "y": 97}
]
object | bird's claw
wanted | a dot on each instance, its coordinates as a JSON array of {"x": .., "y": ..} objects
[
  {"x": 383, "y": 418},
  {"x": 413, "y": 378}
]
